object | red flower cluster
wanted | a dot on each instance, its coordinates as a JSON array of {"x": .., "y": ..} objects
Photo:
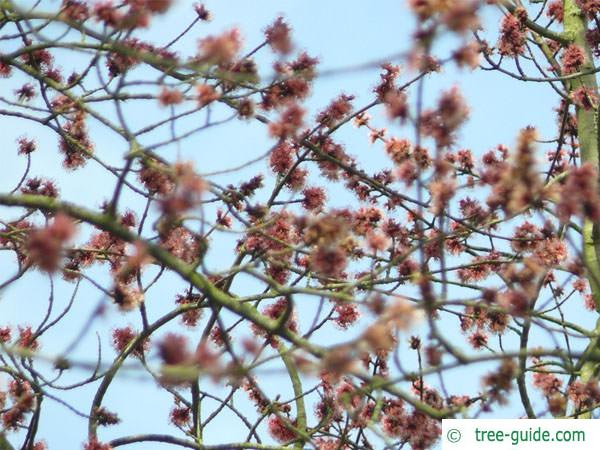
[
  {"x": 103, "y": 417},
  {"x": 170, "y": 97},
  {"x": 468, "y": 55},
  {"x": 75, "y": 142},
  {"x": 416, "y": 428},
  {"x": 512, "y": 36},
  {"x": 281, "y": 430},
  {"x": 347, "y": 314},
  {"x": 279, "y": 310},
  {"x": 136, "y": 14},
  {"x": 590, "y": 7},
  {"x": 206, "y": 94},
  {"x": 440, "y": 124},
  {"x": 94, "y": 444},
  {"x": 314, "y": 198},
  {"x": 572, "y": 59},
  {"x": 44, "y": 246},
  {"x": 518, "y": 185},
  {"x": 584, "y": 394},
  {"x": 22, "y": 400},
  {"x": 156, "y": 177},
  {"x": 289, "y": 123},
  {"x": 336, "y": 111},
  {"x": 461, "y": 17},
  {"x": 126, "y": 297},
  {"x": 221, "y": 49},
  {"x": 26, "y": 146},
  {"x": 180, "y": 416},
  {"x": 187, "y": 191},
  {"x": 584, "y": 98},
  {"x": 122, "y": 337},
  {"x": 191, "y": 317},
  {"x": 546, "y": 382},
  {"x": 278, "y": 36},
  {"x": 40, "y": 186},
  {"x": 75, "y": 10},
  {"x": 579, "y": 194},
  {"x": 555, "y": 11}
]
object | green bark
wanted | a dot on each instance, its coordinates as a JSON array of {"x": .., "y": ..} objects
[
  {"x": 4, "y": 444},
  {"x": 301, "y": 422},
  {"x": 575, "y": 26}
]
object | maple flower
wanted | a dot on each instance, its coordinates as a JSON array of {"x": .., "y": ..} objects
[
  {"x": 278, "y": 36},
  {"x": 572, "y": 59},
  {"x": 512, "y": 36}
]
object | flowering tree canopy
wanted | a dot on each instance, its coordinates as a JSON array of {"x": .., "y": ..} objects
[{"x": 301, "y": 298}]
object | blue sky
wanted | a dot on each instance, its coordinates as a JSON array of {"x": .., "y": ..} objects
[{"x": 342, "y": 34}]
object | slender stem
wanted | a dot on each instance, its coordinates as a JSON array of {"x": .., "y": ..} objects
[{"x": 298, "y": 392}]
